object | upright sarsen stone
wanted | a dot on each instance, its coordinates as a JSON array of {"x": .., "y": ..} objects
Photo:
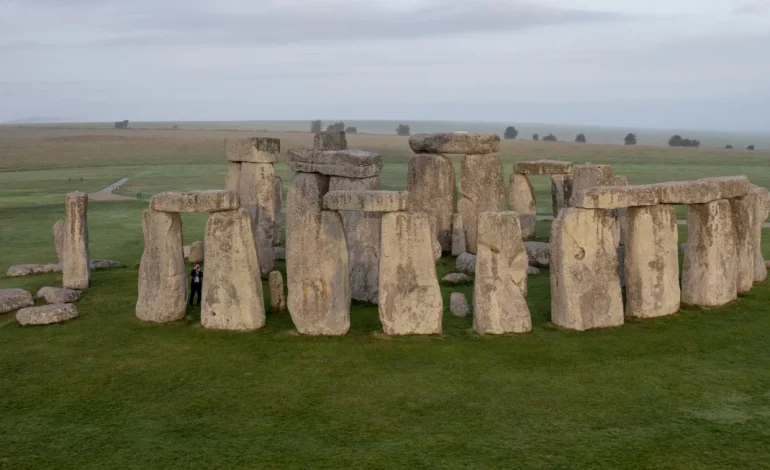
[
  {"x": 59, "y": 230},
  {"x": 744, "y": 214},
  {"x": 521, "y": 199},
  {"x": 561, "y": 192},
  {"x": 278, "y": 211},
  {"x": 482, "y": 189},
  {"x": 233, "y": 177},
  {"x": 763, "y": 207},
  {"x": 431, "y": 185},
  {"x": 330, "y": 140},
  {"x": 458, "y": 236},
  {"x": 257, "y": 196},
  {"x": 76, "y": 272}
]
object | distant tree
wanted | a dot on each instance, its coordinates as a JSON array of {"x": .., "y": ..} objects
[
  {"x": 315, "y": 126},
  {"x": 550, "y": 138},
  {"x": 510, "y": 133},
  {"x": 750, "y": 148},
  {"x": 351, "y": 130},
  {"x": 121, "y": 124},
  {"x": 630, "y": 139},
  {"x": 535, "y": 137},
  {"x": 728, "y": 147},
  {"x": 679, "y": 141},
  {"x": 403, "y": 130},
  {"x": 336, "y": 127},
  {"x": 581, "y": 138}
]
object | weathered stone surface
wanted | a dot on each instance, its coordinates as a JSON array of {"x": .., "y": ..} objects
[
  {"x": 589, "y": 176},
  {"x": 482, "y": 190},
  {"x": 431, "y": 184},
  {"x": 330, "y": 140},
  {"x": 710, "y": 272},
  {"x": 456, "y": 278},
  {"x": 410, "y": 298},
  {"x": 162, "y": 281},
  {"x": 539, "y": 254},
  {"x": 760, "y": 267},
  {"x": 458, "y": 304},
  {"x": 105, "y": 263},
  {"x": 257, "y": 197},
  {"x": 278, "y": 210},
  {"x": 561, "y": 192},
  {"x": 277, "y": 295},
  {"x": 59, "y": 229},
  {"x": 195, "y": 201},
  {"x": 436, "y": 250},
  {"x": 500, "y": 287},
  {"x": 317, "y": 273},
  {"x": 28, "y": 269},
  {"x": 362, "y": 232},
  {"x": 186, "y": 251},
  {"x": 703, "y": 190},
  {"x": 532, "y": 271},
  {"x": 14, "y": 299},
  {"x": 730, "y": 186},
  {"x": 621, "y": 266},
  {"x": 253, "y": 149},
  {"x": 744, "y": 214},
  {"x": 615, "y": 197},
  {"x": 621, "y": 180},
  {"x": 233, "y": 178},
  {"x": 232, "y": 291},
  {"x": 196, "y": 252},
  {"x": 543, "y": 167},
  {"x": 366, "y": 200},
  {"x": 47, "y": 314},
  {"x": 305, "y": 196},
  {"x": 455, "y": 143},
  {"x": 280, "y": 253},
  {"x": 58, "y": 295},
  {"x": 348, "y": 163},
  {"x": 76, "y": 271},
  {"x": 521, "y": 199},
  {"x": 466, "y": 263},
  {"x": 585, "y": 287},
  {"x": 458, "y": 235},
  {"x": 652, "y": 262}
]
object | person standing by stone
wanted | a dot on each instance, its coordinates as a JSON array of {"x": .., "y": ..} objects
[{"x": 196, "y": 283}]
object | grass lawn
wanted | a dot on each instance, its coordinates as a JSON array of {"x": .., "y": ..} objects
[{"x": 106, "y": 391}]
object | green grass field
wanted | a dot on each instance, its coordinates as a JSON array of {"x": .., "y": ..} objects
[{"x": 106, "y": 391}]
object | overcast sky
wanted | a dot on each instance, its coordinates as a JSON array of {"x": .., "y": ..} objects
[{"x": 691, "y": 64}]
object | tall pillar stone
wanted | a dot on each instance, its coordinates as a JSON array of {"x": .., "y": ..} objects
[
  {"x": 278, "y": 211},
  {"x": 482, "y": 189},
  {"x": 59, "y": 229},
  {"x": 744, "y": 214},
  {"x": 458, "y": 236},
  {"x": 257, "y": 194},
  {"x": 561, "y": 192},
  {"x": 710, "y": 272},
  {"x": 652, "y": 262},
  {"x": 163, "y": 279},
  {"x": 521, "y": 199},
  {"x": 589, "y": 176},
  {"x": 763, "y": 206},
  {"x": 431, "y": 186},
  {"x": 233, "y": 177},
  {"x": 76, "y": 272}
]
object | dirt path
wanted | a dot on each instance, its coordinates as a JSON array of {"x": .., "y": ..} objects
[{"x": 106, "y": 193}]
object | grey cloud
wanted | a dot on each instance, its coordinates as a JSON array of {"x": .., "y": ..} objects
[{"x": 752, "y": 7}]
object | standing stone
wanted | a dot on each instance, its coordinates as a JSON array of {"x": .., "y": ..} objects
[
  {"x": 710, "y": 273},
  {"x": 589, "y": 176},
  {"x": 458, "y": 305},
  {"x": 458, "y": 235},
  {"x": 233, "y": 178},
  {"x": 521, "y": 199},
  {"x": 257, "y": 194},
  {"x": 317, "y": 272},
  {"x": 59, "y": 230},
  {"x": 561, "y": 192},
  {"x": 436, "y": 250},
  {"x": 330, "y": 140},
  {"x": 744, "y": 214},
  {"x": 277, "y": 296},
  {"x": 278, "y": 211},
  {"x": 652, "y": 262},
  {"x": 431, "y": 186},
  {"x": 76, "y": 273},
  {"x": 622, "y": 212},
  {"x": 763, "y": 207},
  {"x": 499, "y": 291},
  {"x": 232, "y": 290},
  {"x": 410, "y": 298},
  {"x": 196, "y": 252},
  {"x": 481, "y": 189},
  {"x": 162, "y": 276},
  {"x": 362, "y": 232},
  {"x": 585, "y": 287}
]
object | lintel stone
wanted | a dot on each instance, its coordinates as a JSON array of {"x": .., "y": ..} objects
[
  {"x": 366, "y": 201},
  {"x": 351, "y": 163},
  {"x": 458, "y": 143},
  {"x": 195, "y": 201},
  {"x": 615, "y": 197},
  {"x": 543, "y": 167},
  {"x": 253, "y": 149}
]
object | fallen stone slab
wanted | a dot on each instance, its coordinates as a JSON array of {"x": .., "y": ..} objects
[
  {"x": 458, "y": 235},
  {"x": 330, "y": 140},
  {"x": 458, "y": 304},
  {"x": 253, "y": 149},
  {"x": 366, "y": 201},
  {"x": 539, "y": 254},
  {"x": 459, "y": 143},
  {"x": 105, "y": 264},
  {"x": 615, "y": 197},
  {"x": 47, "y": 314},
  {"x": 277, "y": 295},
  {"x": 521, "y": 199},
  {"x": 76, "y": 270},
  {"x": 58, "y": 295},
  {"x": 28, "y": 269},
  {"x": 195, "y": 201},
  {"x": 482, "y": 189},
  {"x": 431, "y": 184},
  {"x": 532, "y": 271},
  {"x": 466, "y": 263},
  {"x": 348, "y": 163},
  {"x": 456, "y": 278},
  {"x": 14, "y": 299},
  {"x": 543, "y": 167}
]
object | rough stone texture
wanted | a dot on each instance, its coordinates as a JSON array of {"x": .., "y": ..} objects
[
  {"x": 539, "y": 254},
  {"x": 589, "y": 176},
  {"x": 27, "y": 269},
  {"x": 621, "y": 266},
  {"x": 456, "y": 278},
  {"x": 682, "y": 247},
  {"x": 710, "y": 272},
  {"x": 482, "y": 190},
  {"x": 186, "y": 251},
  {"x": 253, "y": 149},
  {"x": 730, "y": 186},
  {"x": 257, "y": 196},
  {"x": 317, "y": 273},
  {"x": 760, "y": 267},
  {"x": 233, "y": 178},
  {"x": 348, "y": 163},
  {"x": 59, "y": 230},
  {"x": 455, "y": 143},
  {"x": 76, "y": 270},
  {"x": 163, "y": 279},
  {"x": 585, "y": 287},
  {"x": 195, "y": 201},
  {"x": 458, "y": 305},
  {"x": 499, "y": 290},
  {"x": 105, "y": 263},
  {"x": 232, "y": 290},
  {"x": 615, "y": 197},
  {"x": 431, "y": 184},
  {"x": 305, "y": 196},
  {"x": 532, "y": 271},
  {"x": 466, "y": 263},
  {"x": 410, "y": 298},
  {"x": 47, "y": 314},
  {"x": 521, "y": 199},
  {"x": 744, "y": 214},
  {"x": 458, "y": 235},
  {"x": 436, "y": 250},
  {"x": 278, "y": 210},
  {"x": 280, "y": 253},
  {"x": 543, "y": 167},
  {"x": 561, "y": 192},
  {"x": 14, "y": 299},
  {"x": 196, "y": 252},
  {"x": 330, "y": 140},
  {"x": 362, "y": 232},
  {"x": 686, "y": 192},
  {"x": 58, "y": 295},
  {"x": 277, "y": 295},
  {"x": 652, "y": 262},
  {"x": 365, "y": 200}
]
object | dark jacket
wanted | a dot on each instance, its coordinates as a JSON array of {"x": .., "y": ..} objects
[{"x": 192, "y": 279}]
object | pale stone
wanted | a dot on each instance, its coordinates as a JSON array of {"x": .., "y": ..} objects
[
  {"x": 589, "y": 176},
  {"x": 14, "y": 299},
  {"x": 365, "y": 201},
  {"x": 466, "y": 263},
  {"x": 431, "y": 184},
  {"x": 730, "y": 186},
  {"x": 59, "y": 229},
  {"x": 710, "y": 272},
  {"x": 253, "y": 149},
  {"x": 348, "y": 163},
  {"x": 500, "y": 287},
  {"x": 481, "y": 189},
  {"x": 195, "y": 201},
  {"x": 330, "y": 140},
  {"x": 461, "y": 143},
  {"x": 162, "y": 283},
  {"x": 686, "y": 192},
  {"x": 232, "y": 290},
  {"x": 317, "y": 273},
  {"x": 585, "y": 286},
  {"x": 58, "y": 295},
  {"x": 186, "y": 251},
  {"x": 652, "y": 262},
  {"x": 744, "y": 214},
  {"x": 456, "y": 278},
  {"x": 532, "y": 271},
  {"x": 458, "y": 305},
  {"x": 105, "y": 263},
  {"x": 76, "y": 270},
  {"x": 458, "y": 235},
  {"x": 561, "y": 192},
  {"x": 277, "y": 295},
  {"x": 436, "y": 250},
  {"x": 521, "y": 199},
  {"x": 27, "y": 269},
  {"x": 615, "y": 197},
  {"x": 539, "y": 254},
  {"x": 233, "y": 177},
  {"x": 760, "y": 267},
  {"x": 543, "y": 167},
  {"x": 410, "y": 299},
  {"x": 278, "y": 210},
  {"x": 196, "y": 252},
  {"x": 305, "y": 196},
  {"x": 47, "y": 314},
  {"x": 257, "y": 197}
]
